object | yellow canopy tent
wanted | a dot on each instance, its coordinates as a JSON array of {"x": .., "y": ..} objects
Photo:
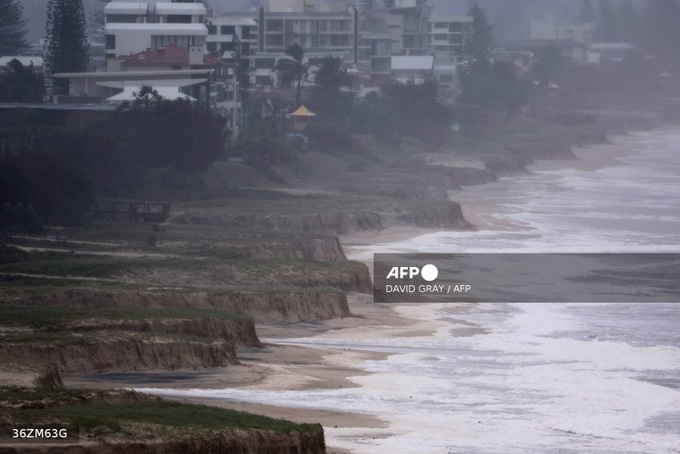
[{"x": 301, "y": 118}]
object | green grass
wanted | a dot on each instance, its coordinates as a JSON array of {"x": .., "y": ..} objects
[
  {"x": 53, "y": 318},
  {"x": 110, "y": 414},
  {"x": 226, "y": 266},
  {"x": 90, "y": 266}
]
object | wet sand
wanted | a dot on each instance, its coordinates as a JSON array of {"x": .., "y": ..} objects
[{"x": 280, "y": 366}]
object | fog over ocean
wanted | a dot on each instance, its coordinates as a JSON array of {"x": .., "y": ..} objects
[{"x": 548, "y": 378}]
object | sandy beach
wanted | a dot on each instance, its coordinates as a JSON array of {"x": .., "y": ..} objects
[{"x": 284, "y": 366}]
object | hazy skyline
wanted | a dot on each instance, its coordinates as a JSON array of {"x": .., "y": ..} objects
[{"x": 510, "y": 17}]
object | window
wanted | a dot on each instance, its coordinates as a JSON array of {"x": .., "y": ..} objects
[
  {"x": 110, "y": 42},
  {"x": 121, "y": 18},
  {"x": 245, "y": 31},
  {"x": 456, "y": 39},
  {"x": 263, "y": 80},
  {"x": 227, "y": 30},
  {"x": 274, "y": 40},
  {"x": 265, "y": 63},
  {"x": 440, "y": 25},
  {"x": 178, "y": 19},
  {"x": 212, "y": 47},
  {"x": 440, "y": 37},
  {"x": 318, "y": 26},
  {"x": 339, "y": 40},
  {"x": 158, "y": 41},
  {"x": 456, "y": 27},
  {"x": 339, "y": 25},
  {"x": 274, "y": 25},
  {"x": 212, "y": 29}
]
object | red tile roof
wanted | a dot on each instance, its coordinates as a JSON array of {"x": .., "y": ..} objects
[{"x": 169, "y": 55}]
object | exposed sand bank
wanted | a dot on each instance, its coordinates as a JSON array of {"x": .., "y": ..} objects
[{"x": 281, "y": 366}]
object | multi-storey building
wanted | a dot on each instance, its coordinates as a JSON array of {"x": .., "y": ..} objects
[
  {"x": 447, "y": 34},
  {"x": 549, "y": 28},
  {"x": 132, "y": 27},
  {"x": 409, "y": 28},
  {"x": 221, "y": 32},
  {"x": 375, "y": 42}
]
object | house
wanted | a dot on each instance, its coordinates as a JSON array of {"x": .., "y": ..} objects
[
  {"x": 569, "y": 48},
  {"x": 548, "y": 27},
  {"x": 610, "y": 51},
  {"x": 522, "y": 60}
]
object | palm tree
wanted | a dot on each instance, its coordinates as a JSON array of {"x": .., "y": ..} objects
[
  {"x": 330, "y": 75},
  {"x": 293, "y": 69}
]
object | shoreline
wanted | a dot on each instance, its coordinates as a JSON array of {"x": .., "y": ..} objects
[{"x": 294, "y": 367}]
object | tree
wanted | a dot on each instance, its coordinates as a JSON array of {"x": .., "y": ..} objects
[
  {"x": 97, "y": 23},
  {"x": 261, "y": 147},
  {"x": 12, "y": 28},
  {"x": 368, "y": 5},
  {"x": 587, "y": 14},
  {"x": 241, "y": 65},
  {"x": 158, "y": 132},
  {"x": 21, "y": 84},
  {"x": 329, "y": 102},
  {"x": 67, "y": 46},
  {"x": 330, "y": 75},
  {"x": 607, "y": 27},
  {"x": 548, "y": 63},
  {"x": 293, "y": 69},
  {"x": 478, "y": 41}
]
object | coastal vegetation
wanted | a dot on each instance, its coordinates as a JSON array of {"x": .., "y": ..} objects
[
  {"x": 120, "y": 418},
  {"x": 253, "y": 233}
]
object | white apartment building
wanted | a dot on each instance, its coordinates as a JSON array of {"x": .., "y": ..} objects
[
  {"x": 447, "y": 33},
  {"x": 221, "y": 32},
  {"x": 548, "y": 28},
  {"x": 132, "y": 27}
]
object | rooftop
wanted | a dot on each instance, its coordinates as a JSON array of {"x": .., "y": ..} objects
[{"x": 126, "y": 8}]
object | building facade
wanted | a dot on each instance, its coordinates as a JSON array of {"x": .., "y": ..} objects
[
  {"x": 132, "y": 27},
  {"x": 549, "y": 28}
]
